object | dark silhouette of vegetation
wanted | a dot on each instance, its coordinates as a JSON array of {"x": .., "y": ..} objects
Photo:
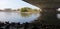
[{"x": 33, "y": 25}]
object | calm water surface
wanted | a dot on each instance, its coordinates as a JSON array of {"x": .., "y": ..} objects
[
  {"x": 18, "y": 17},
  {"x": 58, "y": 16}
]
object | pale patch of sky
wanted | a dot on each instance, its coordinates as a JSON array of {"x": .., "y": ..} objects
[{"x": 15, "y": 4}]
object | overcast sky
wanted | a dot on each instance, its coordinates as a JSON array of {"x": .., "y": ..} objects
[{"x": 14, "y": 4}]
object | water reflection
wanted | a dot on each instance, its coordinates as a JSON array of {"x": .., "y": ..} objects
[
  {"x": 58, "y": 16},
  {"x": 37, "y": 24},
  {"x": 49, "y": 21},
  {"x": 17, "y": 17},
  {"x": 26, "y": 14}
]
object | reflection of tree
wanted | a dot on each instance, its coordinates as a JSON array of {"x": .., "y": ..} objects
[{"x": 25, "y": 14}]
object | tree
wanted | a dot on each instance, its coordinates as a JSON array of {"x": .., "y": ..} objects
[{"x": 25, "y": 9}]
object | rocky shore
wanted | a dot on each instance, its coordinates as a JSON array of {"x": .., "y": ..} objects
[{"x": 33, "y": 25}]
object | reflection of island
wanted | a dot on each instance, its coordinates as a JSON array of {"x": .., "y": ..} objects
[{"x": 25, "y": 14}]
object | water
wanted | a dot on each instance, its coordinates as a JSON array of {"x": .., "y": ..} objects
[
  {"x": 17, "y": 17},
  {"x": 58, "y": 16}
]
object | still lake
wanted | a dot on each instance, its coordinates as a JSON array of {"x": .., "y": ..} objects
[{"x": 17, "y": 17}]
